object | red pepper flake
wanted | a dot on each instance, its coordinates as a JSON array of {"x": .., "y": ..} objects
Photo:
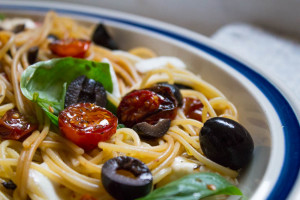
[
  {"x": 87, "y": 197},
  {"x": 51, "y": 109},
  {"x": 211, "y": 187}
]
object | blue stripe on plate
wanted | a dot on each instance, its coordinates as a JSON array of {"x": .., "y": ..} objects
[{"x": 288, "y": 118}]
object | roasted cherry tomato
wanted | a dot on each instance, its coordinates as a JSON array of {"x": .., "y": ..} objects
[
  {"x": 14, "y": 125},
  {"x": 146, "y": 106},
  {"x": 70, "y": 47},
  {"x": 192, "y": 108},
  {"x": 86, "y": 124},
  {"x": 87, "y": 197}
]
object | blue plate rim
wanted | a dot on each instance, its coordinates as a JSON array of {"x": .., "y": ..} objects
[{"x": 288, "y": 117}]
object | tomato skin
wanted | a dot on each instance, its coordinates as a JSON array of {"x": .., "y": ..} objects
[
  {"x": 86, "y": 124},
  {"x": 192, "y": 108},
  {"x": 87, "y": 197},
  {"x": 14, "y": 125},
  {"x": 145, "y": 106},
  {"x": 70, "y": 47}
]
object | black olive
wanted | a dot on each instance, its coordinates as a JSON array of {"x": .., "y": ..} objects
[
  {"x": 226, "y": 142},
  {"x": 9, "y": 53},
  {"x": 32, "y": 54},
  {"x": 102, "y": 38},
  {"x": 123, "y": 187},
  {"x": 180, "y": 86},
  {"x": 10, "y": 185},
  {"x": 175, "y": 90},
  {"x": 1, "y": 29},
  {"x": 52, "y": 37},
  {"x": 19, "y": 28},
  {"x": 85, "y": 90},
  {"x": 149, "y": 131}
]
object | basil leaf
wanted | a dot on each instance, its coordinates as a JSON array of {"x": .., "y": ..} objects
[
  {"x": 194, "y": 187},
  {"x": 121, "y": 126},
  {"x": 46, "y": 82},
  {"x": 2, "y": 16}
]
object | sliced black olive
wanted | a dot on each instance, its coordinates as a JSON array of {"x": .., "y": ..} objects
[
  {"x": 32, "y": 54},
  {"x": 52, "y": 37},
  {"x": 83, "y": 90},
  {"x": 10, "y": 185},
  {"x": 19, "y": 28},
  {"x": 175, "y": 90},
  {"x": 1, "y": 29},
  {"x": 180, "y": 86},
  {"x": 102, "y": 38},
  {"x": 149, "y": 131},
  {"x": 124, "y": 187},
  {"x": 226, "y": 142}
]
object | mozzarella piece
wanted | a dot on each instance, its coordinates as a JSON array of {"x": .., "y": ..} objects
[
  {"x": 40, "y": 185},
  {"x": 180, "y": 167},
  {"x": 116, "y": 91},
  {"x": 9, "y": 24},
  {"x": 158, "y": 63}
]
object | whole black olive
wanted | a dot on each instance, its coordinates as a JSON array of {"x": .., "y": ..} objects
[
  {"x": 102, "y": 38},
  {"x": 175, "y": 90},
  {"x": 32, "y": 54},
  {"x": 85, "y": 90},
  {"x": 148, "y": 131},
  {"x": 123, "y": 187},
  {"x": 226, "y": 142},
  {"x": 10, "y": 185}
]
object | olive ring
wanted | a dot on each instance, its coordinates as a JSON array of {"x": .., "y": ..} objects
[{"x": 122, "y": 187}]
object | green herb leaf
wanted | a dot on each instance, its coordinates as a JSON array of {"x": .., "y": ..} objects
[
  {"x": 2, "y": 16},
  {"x": 194, "y": 187},
  {"x": 46, "y": 82},
  {"x": 121, "y": 126}
]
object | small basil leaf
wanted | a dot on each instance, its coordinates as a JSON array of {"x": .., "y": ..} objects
[
  {"x": 46, "y": 82},
  {"x": 121, "y": 126},
  {"x": 2, "y": 16},
  {"x": 194, "y": 187}
]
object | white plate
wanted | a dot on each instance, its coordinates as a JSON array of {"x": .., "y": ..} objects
[{"x": 264, "y": 109}]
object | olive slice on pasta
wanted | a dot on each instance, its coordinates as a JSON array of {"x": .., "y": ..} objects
[
  {"x": 149, "y": 131},
  {"x": 126, "y": 178},
  {"x": 85, "y": 90},
  {"x": 101, "y": 37},
  {"x": 175, "y": 90}
]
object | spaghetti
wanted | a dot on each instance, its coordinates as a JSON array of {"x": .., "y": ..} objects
[{"x": 49, "y": 157}]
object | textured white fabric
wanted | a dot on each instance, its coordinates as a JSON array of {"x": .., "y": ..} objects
[{"x": 275, "y": 55}]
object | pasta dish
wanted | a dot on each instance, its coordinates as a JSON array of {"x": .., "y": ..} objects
[{"x": 82, "y": 119}]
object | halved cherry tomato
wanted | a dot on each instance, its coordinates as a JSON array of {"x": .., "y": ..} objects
[
  {"x": 70, "y": 47},
  {"x": 146, "y": 106},
  {"x": 86, "y": 124},
  {"x": 192, "y": 108},
  {"x": 14, "y": 126}
]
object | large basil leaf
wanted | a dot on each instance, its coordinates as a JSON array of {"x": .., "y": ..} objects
[
  {"x": 45, "y": 82},
  {"x": 194, "y": 187}
]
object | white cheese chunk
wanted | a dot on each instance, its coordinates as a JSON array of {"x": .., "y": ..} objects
[
  {"x": 9, "y": 24},
  {"x": 40, "y": 185},
  {"x": 180, "y": 167},
  {"x": 158, "y": 63},
  {"x": 116, "y": 91}
]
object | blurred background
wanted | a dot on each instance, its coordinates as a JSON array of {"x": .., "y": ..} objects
[{"x": 265, "y": 33}]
